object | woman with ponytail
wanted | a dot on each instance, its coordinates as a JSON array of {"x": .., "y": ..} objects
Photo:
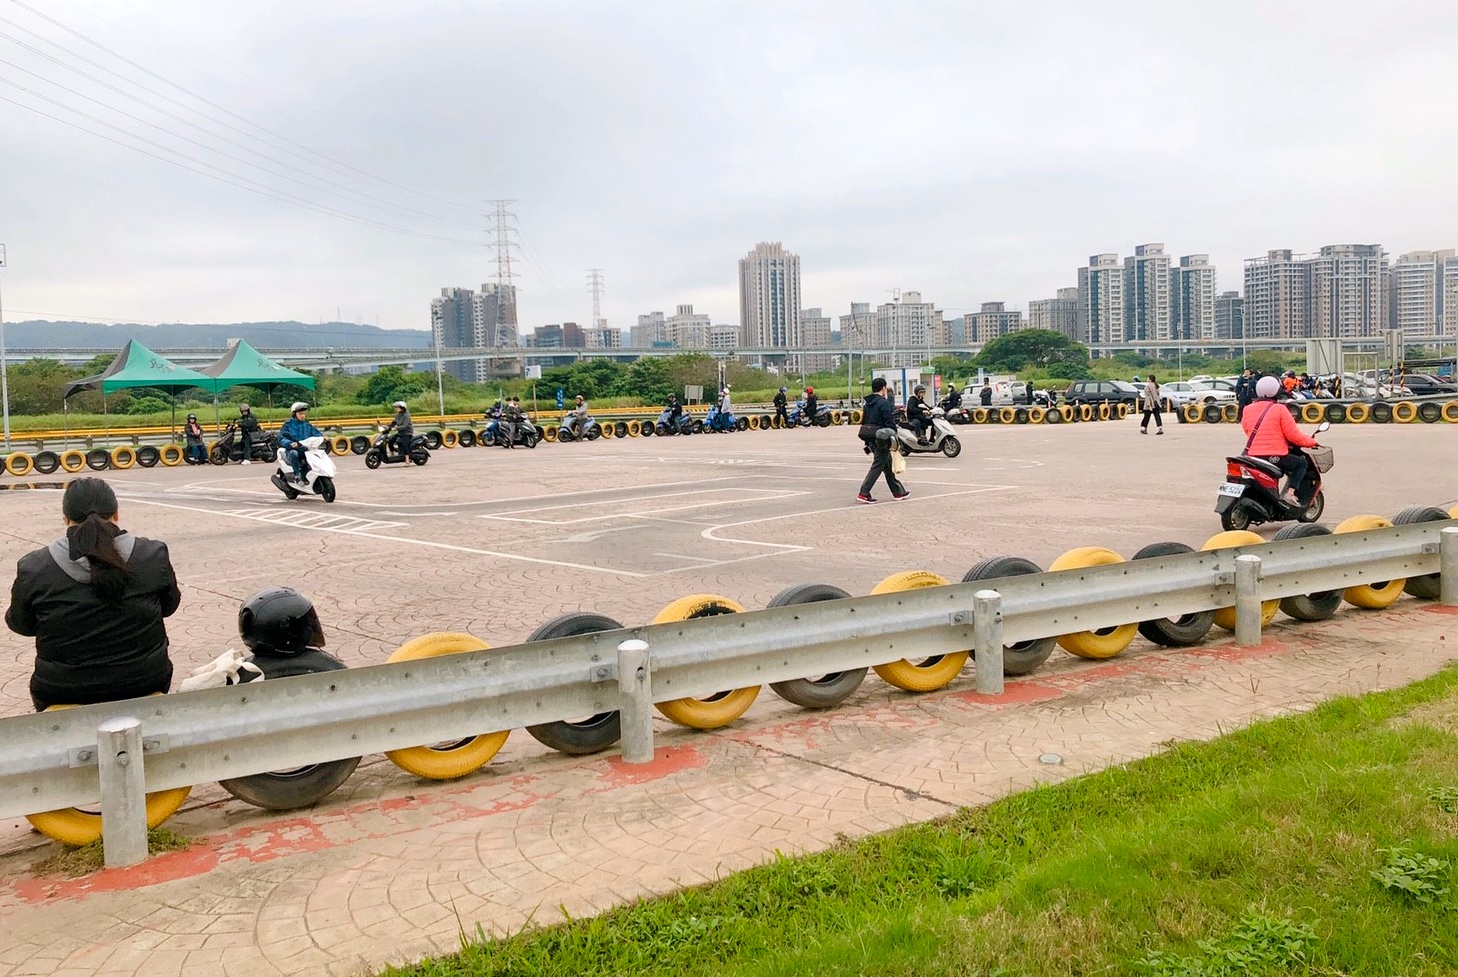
[{"x": 94, "y": 601}]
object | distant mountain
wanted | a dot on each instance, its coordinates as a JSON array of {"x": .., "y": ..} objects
[{"x": 265, "y": 335}]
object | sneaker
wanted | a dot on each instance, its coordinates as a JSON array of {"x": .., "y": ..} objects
[
  {"x": 1160, "y": 431},
  {"x": 865, "y": 499},
  {"x": 247, "y": 462},
  {"x": 903, "y": 495},
  {"x": 1290, "y": 499}
]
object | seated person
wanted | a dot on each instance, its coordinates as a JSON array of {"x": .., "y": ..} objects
[
  {"x": 292, "y": 434},
  {"x": 94, "y": 600},
  {"x": 918, "y": 411},
  {"x": 812, "y": 404},
  {"x": 404, "y": 428}
]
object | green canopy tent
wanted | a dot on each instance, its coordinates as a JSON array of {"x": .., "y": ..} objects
[
  {"x": 137, "y": 366},
  {"x": 244, "y": 366}
]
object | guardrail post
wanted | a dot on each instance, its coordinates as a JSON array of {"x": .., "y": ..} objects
[
  {"x": 987, "y": 640},
  {"x": 123, "y": 792},
  {"x": 635, "y": 683},
  {"x": 1448, "y": 566},
  {"x": 1247, "y": 600}
]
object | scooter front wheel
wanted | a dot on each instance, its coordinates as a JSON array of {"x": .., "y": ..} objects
[
  {"x": 373, "y": 459},
  {"x": 324, "y": 485}
]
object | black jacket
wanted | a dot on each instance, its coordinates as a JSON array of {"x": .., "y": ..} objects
[
  {"x": 247, "y": 422},
  {"x": 985, "y": 395},
  {"x": 876, "y": 413},
  {"x": 916, "y": 407},
  {"x": 812, "y": 405},
  {"x": 780, "y": 399},
  {"x": 952, "y": 400},
  {"x": 87, "y": 650}
]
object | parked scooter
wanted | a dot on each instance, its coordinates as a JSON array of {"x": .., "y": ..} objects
[
  {"x": 684, "y": 424},
  {"x": 319, "y": 472},
  {"x": 718, "y": 420},
  {"x": 798, "y": 417},
  {"x": 939, "y": 437},
  {"x": 525, "y": 434},
  {"x": 380, "y": 452},
  {"x": 591, "y": 432},
  {"x": 1251, "y": 492},
  {"x": 229, "y": 447}
]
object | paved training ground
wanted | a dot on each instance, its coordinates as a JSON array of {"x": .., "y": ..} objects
[{"x": 496, "y": 542}]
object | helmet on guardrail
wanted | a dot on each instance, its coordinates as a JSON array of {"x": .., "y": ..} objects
[{"x": 279, "y": 619}]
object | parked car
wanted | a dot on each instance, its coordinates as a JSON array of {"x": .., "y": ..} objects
[
  {"x": 1428, "y": 385},
  {"x": 1101, "y": 392},
  {"x": 1181, "y": 392}
]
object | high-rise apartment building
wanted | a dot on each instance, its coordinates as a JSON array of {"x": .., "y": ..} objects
[
  {"x": 1101, "y": 300},
  {"x": 858, "y": 329},
  {"x": 687, "y": 329},
  {"x": 907, "y": 329},
  {"x": 815, "y": 332},
  {"x": 1058, "y": 315},
  {"x": 1450, "y": 296},
  {"x": 1417, "y": 292},
  {"x": 769, "y": 297},
  {"x": 461, "y": 318},
  {"x": 1146, "y": 294},
  {"x": 602, "y": 337},
  {"x": 1229, "y": 316},
  {"x": 572, "y": 336},
  {"x": 1349, "y": 297},
  {"x": 723, "y": 337},
  {"x": 1277, "y": 296},
  {"x": 982, "y": 327},
  {"x": 1192, "y": 298}
]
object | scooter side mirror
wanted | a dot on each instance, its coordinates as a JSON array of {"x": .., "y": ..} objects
[{"x": 1323, "y": 426}]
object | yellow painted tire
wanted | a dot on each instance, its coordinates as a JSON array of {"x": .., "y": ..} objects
[
  {"x": 1450, "y": 412},
  {"x": 549, "y": 433},
  {"x": 1105, "y": 412},
  {"x": 722, "y": 708},
  {"x": 449, "y": 439},
  {"x": 1313, "y": 413},
  {"x": 753, "y": 423},
  {"x": 837, "y": 418},
  {"x": 1372, "y": 597},
  {"x": 19, "y": 463},
  {"x": 608, "y": 431},
  {"x": 339, "y": 445},
  {"x": 1192, "y": 413},
  {"x": 857, "y": 415},
  {"x": 71, "y": 826},
  {"x": 1360, "y": 414},
  {"x": 1067, "y": 412},
  {"x": 1006, "y": 415},
  {"x": 123, "y": 456},
  {"x": 453, "y": 760},
  {"x": 1230, "y": 413},
  {"x": 929, "y": 674},
  {"x": 1403, "y": 412},
  {"x": 1106, "y": 642},
  {"x": 635, "y": 428},
  {"x": 1225, "y": 616},
  {"x": 170, "y": 455},
  {"x": 1037, "y": 415},
  {"x": 1123, "y": 411},
  {"x": 73, "y": 461},
  {"x": 979, "y": 415}
]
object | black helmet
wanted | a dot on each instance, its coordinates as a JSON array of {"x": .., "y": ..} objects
[
  {"x": 920, "y": 388},
  {"x": 279, "y": 619}
]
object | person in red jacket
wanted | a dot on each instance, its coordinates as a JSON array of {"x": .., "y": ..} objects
[{"x": 1272, "y": 433}]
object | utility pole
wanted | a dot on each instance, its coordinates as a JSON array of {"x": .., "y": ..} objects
[
  {"x": 596, "y": 287},
  {"x": 4, "y": 366}
]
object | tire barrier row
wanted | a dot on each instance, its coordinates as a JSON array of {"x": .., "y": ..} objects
[
  {"x": 287, "y": 790},
  {"x": 1336, "y": 412}
]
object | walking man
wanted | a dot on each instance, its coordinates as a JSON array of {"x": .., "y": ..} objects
[
  {"x": 1150, "y": 396},
  {"x": 878, "y": 431}
]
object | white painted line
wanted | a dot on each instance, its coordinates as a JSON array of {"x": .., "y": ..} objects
[{"x": 764, "y": 495}]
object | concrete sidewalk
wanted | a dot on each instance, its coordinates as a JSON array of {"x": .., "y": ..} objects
[{"x": 393, "y": 869}]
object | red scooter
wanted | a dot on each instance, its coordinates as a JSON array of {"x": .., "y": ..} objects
[{"x": 1251, "y": 492}]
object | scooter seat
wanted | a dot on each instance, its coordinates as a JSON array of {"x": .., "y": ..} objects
[{"x": 1259, "y": 464}]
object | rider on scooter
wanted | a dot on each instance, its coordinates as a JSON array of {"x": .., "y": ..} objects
[
  {"x": 1272, "y": 433},
  {"x": 577, "y": 418},
  {"x": 295, "y": 430},
  {"x": 675, "y": 411},
  {"x": 952, "y": 400},
  {"x": 812, "y": 404},
  {"x": 918, "y": 412},
  {"x": 404, "y": 428}
]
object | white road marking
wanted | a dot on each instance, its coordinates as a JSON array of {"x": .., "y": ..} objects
[{"x": 760, "y": 495}]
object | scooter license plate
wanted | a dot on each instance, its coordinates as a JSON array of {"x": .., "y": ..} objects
[{"x": 1232, "y": 489}]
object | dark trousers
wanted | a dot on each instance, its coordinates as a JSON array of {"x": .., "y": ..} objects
[
  {"x": 197, "y": 452},
  {"x": 247, "y": 439},
  {"x": 784, "y": 418},
  {"x": 401, "y": 442},
  {"x": 881, "y": 464},
  {"x": 1158, "y": 421},
  {"x": 1294, "y": 465}
]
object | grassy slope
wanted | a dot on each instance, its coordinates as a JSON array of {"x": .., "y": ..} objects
[{"x": 1286, "y": 820}]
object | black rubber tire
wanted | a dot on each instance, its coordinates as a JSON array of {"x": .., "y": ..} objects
[
  {"x": 1239, "y": 516},
  {"x": 1212, "y": 414},
  {"x": 951, "y": 447},
  {"x": 620, "y": 429},
  {"x": 1025, "y": 656},
  {"x": 1429, "y": 586},
  {"x": 1429, "y": 413},
  {"x": 359, "y": 444},
  {"x": 432, "y": 440},
  {"x": 373, "y": 459},
  {"x": 828, "y": 690},
  {"x": 1020, "y": 416},
  {"x": 466, "y": 438},
  {"x": 288, "y": 790},
  {"x": 325, "y": 486},
  {"x": 591, "y": 735},
  {"x": 1054, "y": 416},
  {"x": 1309, "y": 607},
  {"x": 419, "y": 456},
  {"x": 47, "y": 462},
  {"x": 1336, "y": 413},
  {"x": 648, "y": 430},
  {"x": 98, "y": 460},
  {"x": 822, "y": 419},
  {"x": 594, "y": 432},
  {"x": 218, "y": 455},
  {"x": 1174, "y": 632},
  {"x": 698, "y": 426},
  {"x": 148, "y": 455},
  {"x": 1381, "y": 413}
]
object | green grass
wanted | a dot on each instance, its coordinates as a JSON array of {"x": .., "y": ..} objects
[
  {"x": 85, "y": 859},
  {"x": 1297, "y": 846}
]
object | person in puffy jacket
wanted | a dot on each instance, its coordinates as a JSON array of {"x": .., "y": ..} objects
[
  {"x": 94, "y": 601},
  {"x": 877, "y": 415},
  {"x": 781, "y": 402},
  {"x": 250, "y": 432},
  {"x": 292, "y": 434},
  {"x": 1272, "y": 432}
]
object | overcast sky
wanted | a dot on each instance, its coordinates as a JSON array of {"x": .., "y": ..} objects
[{"x": 973, "y": 150}]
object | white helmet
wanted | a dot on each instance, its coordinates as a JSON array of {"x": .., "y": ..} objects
[
  {"x": 1267, "y": 387},
  {"x": 298, "y": 406},
  {"x": 243, "y": 408},
  {"x": 399, "y": 405}
]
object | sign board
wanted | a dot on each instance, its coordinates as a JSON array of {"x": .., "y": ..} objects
[
  {"x": 1392, "y": 346},
  {"x": 534, "y": 373},
  {"x": 693, "y": 393},
  {"x": 561, "y": 398},
  {"x": 1324, "y": 357}
]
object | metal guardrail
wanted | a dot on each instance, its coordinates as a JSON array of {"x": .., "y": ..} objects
[{"x": 71, "y": 757}]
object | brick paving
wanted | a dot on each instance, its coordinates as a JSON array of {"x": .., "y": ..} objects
[{"x": 391, "y": 868}]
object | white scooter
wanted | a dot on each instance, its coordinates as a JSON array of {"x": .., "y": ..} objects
[
  {"x": 939, "y": 437},
  {"x": 319, "y": 471}
]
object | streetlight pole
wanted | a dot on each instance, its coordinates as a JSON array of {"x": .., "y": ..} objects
[{"x": 4, "y": 366}]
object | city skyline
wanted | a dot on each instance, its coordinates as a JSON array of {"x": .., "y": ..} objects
[{"x": 806, "y": 140}]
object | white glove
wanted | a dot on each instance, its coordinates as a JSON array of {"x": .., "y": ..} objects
[{"x": 226, "y": 669}]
